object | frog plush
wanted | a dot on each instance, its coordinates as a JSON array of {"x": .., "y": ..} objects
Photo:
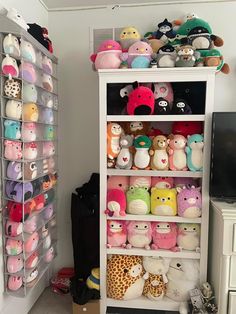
[{"x": 138, "y": 201}]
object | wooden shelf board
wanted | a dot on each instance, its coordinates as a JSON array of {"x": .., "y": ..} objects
[
  {"x": 156, "y": 118},
  {"x": 154, "y": 173}
]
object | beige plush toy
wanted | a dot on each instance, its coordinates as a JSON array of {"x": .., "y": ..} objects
[{"x": 159, "y": 160}]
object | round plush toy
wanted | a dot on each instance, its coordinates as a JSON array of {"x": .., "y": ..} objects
[
  {"x": 164, "y": 236},
  {"x": 49, "y": 255},
  {"x": 32, "y": 261},
  {"x": 48, "y": 149},
  {"x": 181, "y": 106},
  {"x": 10, "y": 67},
  {"x": 13, "y": 229},
  {"x": 116, "y": 203},
  {"x": 163, "y": 182},
  {"x": 47, "y": 82},
  {"x": 48, "y": 132},
  {"x": 46, "y": 116},
  {"x": 30, "y": 93},
  {"x": 116, "y": 233},
  {"x": 40, "y": 202},
  {"x": 93, "y": 281},
  {"x": 14, "y": 283},
  {"x": 141, "y": 101},
  {"x": 12, "y": 88},
  {"x": 19, "y": 191},
  {"x": 28, "y": 132},
  {"x": 163, "y": 202},
  {"x": 48, "y": 212},
  {"x": 30, "y": 170},
  {"x": 12, "y": 129},
  {"x": 46, "y": 99},
  {"x": 138, "y": 201},
  {"x": 189, "y": 237},
  {"x": 47, "y": 242},
  {"x": 27, "y": 51},
  {"x": 13, "y": 109},
  {"x": 14, "y": 170},
  {"x": 11, "y": 45},
  {"x": 14, "y": 247},
  {"x": 31, "y": 243},
  {"x": 139, "y": 55},
  {"x": 31, "y": 278},
  {"x": 28, "y": 73},
  {"x": 128, "y": 36},
  {"x": 30, "y": 112},
  {"x": 140, "y": 182},
  {"x": 189, "y": 201},
  {"x": 139, "y": 234},
  {"x": 118, "y": 182},
  {"x": 14, "y": 264},
  {"x": 30, "y": 150},
  {"x": 166, "y": 57},
  {"x": 165, "y": 91},
  {"x": 30, "y": 225},
  {"x": 13, "y": 150},
  {"x": 47, "y": 65}
]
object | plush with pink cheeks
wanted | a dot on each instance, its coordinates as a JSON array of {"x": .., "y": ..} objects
[
  {"x": 139, "y": 234},
  {"x": 176, "y": 151},
  {"x": 32, "y": 242},
  {"x": 49, "y": 255},
  {"x": 139, "y": 55},
  {"x": 30, "y": 151},
  {"x": 140, "y": 182},
  {"x": 164, "y": 235},
  {"x": 118, "y": 182},
  {"x": 30, "y": 225},
  {"x": 162, "y": 182},
  {"x": 28, "y": 131},
  {"x": 141, "y": 101},
  {"x": 116, "y": 233},
  {"x": 189, "y": 200},
  {"x": 13, "y": 150},
  {"x": 181, "y": 182},
  {"x": 164, "y": 90},
  {"x": 13, "y": 229},
  {"x": 14, "y": 264},
  {"x": 14, "y": 283},
  {"x": 116, "y": 203},
  {"x": 32, "y": 261},
  {"x": 107, "y": 56},
  {"x": 14, "y": 247},
  {"x": 48, "y": 149}
]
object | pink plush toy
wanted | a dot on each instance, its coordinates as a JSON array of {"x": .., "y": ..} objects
[
  {"x": 13, "y": 229},
  {"x": 30, "y": 151},
  {"x": 30, "y": 225},
  {"x": 14, "y": 264},
  {"x": 116, "y": 233},
  {"x": 31, "y": 278},
  {"x": 107, "y": 56},
  {"x": 118, "y": 182},
  {"x": 164, "y": 236},
  {"x": 14, "y": 247},
  {"x": 140, "y": 182},
  {"x": 116, "y": 203},
  {"x": 139, "y": 234},
  {"x": 14, "y": 283},
  {"x": 164, "y": 90},
  {"x": 48, "y": 149},
  {"x": 10, "y": 67},
  {"x": 32, "y": 261},
  {"x": 162, "y": 182},
  {"x": 176, "y": 151},
  {"x": 13, "y": 150},
  {"x": 48, "y": 212},
  {"x": 141, "y": 101},
  {"x": 28, "y": 132},
  {"x": 181, "y": 182},
  {"x": 49, "y": 256},
  {"x": 139, "y": 55},
  {"x": 189, "y": 200},
  {"x": 32, "y": 242}
]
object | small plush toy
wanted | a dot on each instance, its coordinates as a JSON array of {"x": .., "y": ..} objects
[
  {"x": 48, "y": 132},
  {"x": 142, "y": 145},
  {"x": 189, "y": 237},
  {"x": 164, "y": 31},
  {"x": 14, "y": 283},
  {"x": 125, "y": 159},
  {"x": 118, "y": 182},
  {"x": 11, "y": 45},
  {"x": 194, "y": 151},
  {"x": 139, "y": 55},
  {"x": 47, "y": 82},
  {"x": 162, "y": 106},
  {"x": 139, "y": 234},
  {"x": 37, "y": 185},
  {"x": 48, "y": 165},
  {"x": 49, "y": 255},
  {"x": 181, "y": 106},
  {"x": 164, "y": 235},
  {"x": 116, "y": 203},
  {"x": 162, "y": 182},
  {"x": 10, "y": 67},
  {"x": 176, "y": 151},
  {"x": 28, "y": 72},
  {"x": 14, "y": 264},
  {"x": 32, "y": 261},
  {"x": 214, "y": 58},
  {"x": 140, "y": 182},
  {"x": 46, "y": 116},
  {"x": 48, "y": 149},
  {"x": 187, "y": 128},
  {"x": 12, "y": 88},
  {"x": 30, "y": 225},
  {"x": 129, "y": 36},
  {"x": 18, "y": 191},
  {"x": 186, "y": 56},
  {"x": 13, "y": 150},
  {"x": 116, "y": 233},
  {"x": 163, "y": 202},
  {"x": 156, "y": 44},
  {"x": 47, "y": 65},
  {"x": 164, "y": 90},
  {"x": 31, "y": 243},
  {"x": 182, "y": 181},
  {"x": 48, "y": 212},
  {"x": 14, "y": 247},
  {"x": 13, "y": 229},
  {"x": 30, "y": 93},
  {"x": 14, "y": 170},
  {"x": 30, "y": 112},
  {"x": 46, "y": 99},
  {"x": 189, "y": 201},
  {"x": 29, "y": 281},
  {"x": 159, "y": 160},
  {"x": 136, "y": 128},
  {"x": 125, "y": 277},
  {"x": 107, "y": 56},
  {"x": 166, "y": 57},
  {"x": 41, "y": 35},
  {"x": 114, "y": 132},
  {"x": 141, "y": 101},
  {"x": 138, "y": 201},
  {"x": 13, "y": 15},
  {"x": 12, "y": 129},
  {"x": 30, "y": 151},
  {"x": 27, "y": 51},
  {"x": 13, "y": 109},
  {"x": 93, "y": 281},
  {"x": 30, "y": 170},
  {"x": 40, "y": 202},
  {"x": 28, "y": 132}
]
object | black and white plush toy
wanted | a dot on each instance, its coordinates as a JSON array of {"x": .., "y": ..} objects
[
  {"x": 166, "y": 57},
  {"x": 181, "y": 106},
  {"x": 162, "y": 106},
  {"x": 165, "y": 31}
]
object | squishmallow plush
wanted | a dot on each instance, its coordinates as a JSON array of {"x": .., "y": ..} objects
[
  {"x": 141, "y": 101},
  {"x": 28, "y": 132},
  {"x": 48, "y": 212},
  {"x": 181, "y": 182},
  {"x": 44, "y": 231},
  {"x": 139, "y": 234},
  {"x": 14, "y": 283},
  {"x": 189, "y": 237},
  {"x": 14, "y": 247},
  {"x": 40, "y": 202},
  {"x": 14, "y": 264},
  {"x": 163, "y": 202},
  {"x": 47, "y": 65},
  {"x": 142, "y": 145},
  {"x": 13, "y": 150},
  {"x": 164, "y": 236},
  {"x": 159, "y": 159},
  {"x": 46, "y": 116},
  {"x": 12, "y": 88},
  {"x": 28, "y": 73},
  {"x": 125, "y": 158},
  {"x": 194, "y": 151},
  {"x": 13, "y": 15},
  {"x": 29, "y": 281},
  {"x": 32, "y": 261},
  {"x": 136, "y": 128},
  {"x": 14, "y": 170},
  {"x": 176, "y": 151},
  {"x": 118, "y": 182},
  {"x": 116, "y": 203},
  {"x": 30, "y": 150},
  {"x": 30, "y": 112},
  {"x": 48, "y": 149},
  {"x": 48, "y": 132},
  {"x": 47, "y": 242},
  {"x": 13, "y": 109},
  {"x": 181, "y": 106},
  {"x": 11, "y": 45},
  {"x": 166, "y": 57},
  {"x": 31, "y": 243},
  {"x": 138, "y": 201},
  {"x": 49, "y": 255},
  {"x": 30, "y": 93},
  {"x": 189, "y": 201},
  {"x": 116, "y": 233},
  {"x": 47, "y": 82},
  {"x": 18, "y": 191},
  {"x": 10, "y": 67},
  {"x": 165, "y": 91},
  {"x": 30, "y": 225},
  {"x": 30, "y": 170},
  {"x": 27, "y": 51},
  {"x": 12, "y": 129},
  {"x": 129, "y": 36},
  {"x": 13, "y": 229},
  {"x": 139, "y": 55},
  {"x": 49, "y": 196},
  {"x": 162, "y": 182},
  {"x": 46, "y": 99},
  {"x": 187, "y": 128},
  {"x": 140, "y": 182},
  {"x": 114, "y": 132}
]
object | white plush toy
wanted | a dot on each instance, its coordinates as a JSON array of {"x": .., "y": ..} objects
[
  {"x": 11, "y": 45},
  {"x": 188, "y": 237},
  {"x": 27, "y": 51},
  {"x": 14, "y": 109},
  {"x": 17, "y": 18}
]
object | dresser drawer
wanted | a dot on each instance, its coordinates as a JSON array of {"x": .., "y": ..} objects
[
  {"x": 229, "y": 239},
  {"x": 232, "y": 272},
  {"x": 232, "y": 302}
]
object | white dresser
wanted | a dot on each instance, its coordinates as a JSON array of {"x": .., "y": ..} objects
[{"x": 222, "y": 255}]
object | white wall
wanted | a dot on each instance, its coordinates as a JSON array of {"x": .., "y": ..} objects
[{"x": 79, "y": 150}]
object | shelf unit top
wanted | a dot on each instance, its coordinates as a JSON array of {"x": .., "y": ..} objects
[
  {"x": 154, "y": 173},
  {"x": 156, "y": 118}
]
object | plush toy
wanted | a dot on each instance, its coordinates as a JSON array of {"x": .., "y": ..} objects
[
  {"x": 40, "y": 201},
  {"x": 138, "y": 201},
  {"x": 156, "y": 44},
  {"x": 28, "y": 72},
  {"x": 14, "y": 264},
  {"x": 139, "y": 55},
  {"x": 27, "y": 51},
  {"x": 166, "y": 57},
  {"x": 47, "y": 82},
  {"x": 48, "y": 149},
  {"x": 53, "y": 178},
  {"x": 14, "y": 170},
  {"x": 11, "y": 45},
  {"x": 46, "y": 116},
  {"x": 125, "y": 159},
  {"x": 14, "y": 247},
  {"x": 116, "y": 203},
  {"x": 117, "y": 97},
  {"x": 128, "y": 36},
  {"x": 194, "y": 151},
  {"x": 155, "y": 285},
  {"x": 28, "y": 132},
  {"x": 163, "y": 202},
  {"x": 48, "y": 165},
  {"x": 13, "y": 15},
  {"x": 46, "y": 183},
  {"x": 30, "y": 112},
  {"x": 159, "y": 160},
  {"x": 47, "y": 65},
  {"x": 162, "y": 106},
  {"x": 46, "y": 99},
  {"x": 164, "y": 31},
  {"x": 41, "y": 35},
  {"x": 48, "y": 132},
  {"x": 154, "y": 132},
  {"x": 30, "y": 93},
  {"x": 187, "y": 128},
  {"x": 107, "y": 56},
  {"x": 31, "y": 243},
  {"x": 31, "y": 224},
  {"x": 30, "y": 280},
  {"x": 12, "y": 129},
  {"x": 13, "y": 150},
  {"x": 136, "y": 128},
  {"x": 93, "y": 281},
  {"x": 176, "y": 151},
  {"x": 37, "y": 185},
  {"x": 10, "y": 67},
  {"x": 162, "y": 182},
  {"x": 189, "y": 237},
  {"x": 140, "y": 182},
  {"x": 181, "y": 106},
  {"x": 48, "y": 212},
  {"x": 142, "y": 145},
  {"x": 141, "y": 101},
  {"x": 125, "y": 277},
  {"x": 14, "y": 283},
  {"x": 182, "y": 181},
  {"x": 165, "y": 91},
  {"x": 116, "y": 233},
  {"x": 32, "y": 261},
  {"x": 30, "y": 151},
  {"x": 118, "y": 182},
  {"x": 12, "y": 88},
  {"x": 13, "y": 109},
  {"x": 139, "y": 234},
  {"x": 164, "y": 235},
  {"x": 49, "y": 255},
  {"x": 189, "y": 201},
  {"x": 17, "y": 191},
  {"x": 30, "y": 170},
  {"x": 13, "y": 229},
  {"x": 186, "y": 56},
  {"x": 214, "y": 58},
  {"x": 114, "y": 132}
]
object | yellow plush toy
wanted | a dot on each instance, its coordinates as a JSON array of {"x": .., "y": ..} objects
[
  {"x": 30, "y": 112},
  {"x": 129, "y": 36},
  {"x": 163, "y": 202},
  {"x": 93, "y": 281}
]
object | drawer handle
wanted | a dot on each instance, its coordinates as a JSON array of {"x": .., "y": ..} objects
[{"x": 234, "y": 238}]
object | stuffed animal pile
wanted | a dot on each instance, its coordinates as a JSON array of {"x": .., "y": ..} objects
[{"x": 185, "y": 42}]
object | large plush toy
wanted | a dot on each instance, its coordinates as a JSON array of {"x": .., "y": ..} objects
[
  {"x": 30, "y": 150},
  {"x": 27, "y": 51},
  {"x": 139, "y": 55},
  {"x": 28, "y": 72},
  {"x": 129, "y": 36},
  {"x": 140, "y": 182},
  {"x": 11, "y": 45},
  {"x": 13, "y": 150},
  {"x": 155, "y": 285},
  {"x": 30, "y": 112},
  {"x": 189, "y": 201},
  {"x": 12, "y": 88},
  {"x": 142, "y": 145},
  {"x": 14, "y": 170},
  {"x": 166, "y": 57},
  {"x": 13, "y": 109},
  {"x": 116, "y": 233},
  {"x": 41, "y": 35},
  {"x": 114, "y": 132},
  {"x": 13, "y": 228},
  {"x": 187, "y": 128},
  {"x": 107, "y": 56},
  {"x": 10, "y": 67},
  {"x": 141, "y": 101},
  {"x": 28, "y": 132},
  {"x": 189, "y": 237},
  {"x": 159, "y": 154},
  {"x": 163, "y": 202},
  {"x": 176, "y": 151},
  {"x": 194, "y": 151},
  {"x": 14, "y": 264},
  {"x": 117, "y": 97},
  {"x": 118, "y": 182},
  {"x": 14, "y": 283},
  {"x": 14, "y": 247},
  {"x": 139, "y": 234},
  {"x": 125, "y": 159},
  {"x": 116, "y": 203},
  {"x": 30, "y": 93},
  {"x": 138, "y": 201},
  {"x": 163, "y": 182},
  {"x": 125, "y": 277},
  {"x": 12, "y": 129},
  {"x": 31, "y": 243},
  {"x": 164, "y": 235}
]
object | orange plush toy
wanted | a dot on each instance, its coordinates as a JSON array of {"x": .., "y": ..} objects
[{"x": 114, "y": 132}]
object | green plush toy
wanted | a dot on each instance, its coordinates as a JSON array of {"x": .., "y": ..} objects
[
  {"x": 138, "y": 201},
  {"x": 214, "y": 58}
]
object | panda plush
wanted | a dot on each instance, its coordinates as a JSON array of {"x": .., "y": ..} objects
[
  {"x": 181, "y": 106},
  {"x": 162, "y": 106}
]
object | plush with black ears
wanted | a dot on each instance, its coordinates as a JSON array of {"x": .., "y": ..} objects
[
  {"x": 162, "y": 106},
  {"x": 41, "y": 35},
  {"x": 164, "y": 31},
  {"x": 181, "y": 106}
]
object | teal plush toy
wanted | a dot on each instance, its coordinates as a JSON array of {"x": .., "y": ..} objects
[
  {"x": 49, "y": 132},
  {"x": 138, "y": 201},
  {"x": 12, "y": 129},
  {"x": 194, "y": 151}
]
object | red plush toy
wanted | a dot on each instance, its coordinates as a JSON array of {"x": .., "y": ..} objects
[
  {"x": 15, "y": 211},
  {"x": 141, "y": 101},
  {"x": 39, "y": 202},
  {"x": 187, "y": 128}
]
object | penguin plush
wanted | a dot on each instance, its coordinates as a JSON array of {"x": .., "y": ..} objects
[
  {"x": 181, "y": 106},
  {"x": 166, "y": 57},
  {"x": 165, "y": 31},
  {"x": 162, "y": 106}
]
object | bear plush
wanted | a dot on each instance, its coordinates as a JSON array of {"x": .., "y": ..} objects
[
  {"x": 163, "y": 202},
  {"x": 159, "y": 160}
]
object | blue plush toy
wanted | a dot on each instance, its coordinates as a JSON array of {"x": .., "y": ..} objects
[
  {"x": 30, "y": 93},
  {"x": 48, "y": 132},
  {"x": 12, "y": 129},
  {"x": 194, "y": 151},
  {"x": 47, "y": 116}
]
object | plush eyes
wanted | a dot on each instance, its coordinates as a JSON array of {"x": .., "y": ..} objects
[{"x": 169, "y": 198}]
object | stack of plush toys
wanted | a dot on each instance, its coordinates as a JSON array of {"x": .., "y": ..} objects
[{"x": 185, "y": 42}]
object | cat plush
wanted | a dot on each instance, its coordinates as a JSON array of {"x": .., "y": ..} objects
[
  {"x": 27, "y": 51},
  {"x": 116, "y": 233},
  {"x": 138, "y": 201},
  {"x": 14, "y": 170},
  {"x": 139, "y": 234},
  {"x": 10, "y": 67},
  {"x": 13, "y": 109},
  {"x": 11, "y": 45},
  {"x": 12, "y": 129}
]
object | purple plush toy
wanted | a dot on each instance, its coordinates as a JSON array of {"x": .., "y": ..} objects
[
  {"x": 189, "y": 200},
  {"x": 48, "y": 212},
  {"x": 14, "y": 247},
  {"x": 28, "y": 73},
  {"x": 14, "y": 264},
  {"x": 19, "y": 192},
  {"x": 182, "y": 181},
  {"x": 14, "y": 170}
]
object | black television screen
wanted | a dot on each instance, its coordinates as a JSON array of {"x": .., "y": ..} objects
[{"x": 223, "y": 155}]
